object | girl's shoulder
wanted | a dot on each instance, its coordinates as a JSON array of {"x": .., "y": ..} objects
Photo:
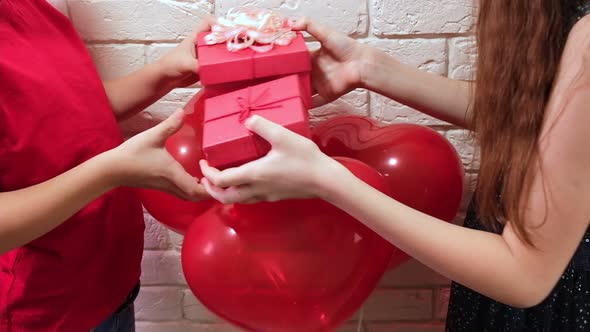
[{"x": 580, "y": 31}]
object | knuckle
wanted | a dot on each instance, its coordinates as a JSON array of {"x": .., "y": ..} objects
[
  {"x": 215, "y": 180},
  {"x": 168, "y": 131},
  {"x": 309, "y": 145},
  {"x": 222, "y": 184},
  {"x": 194, "y": 193},
  {"x": 163, "y": 176},
  {"x": 275, "y": 132},
  {"x": 256, "y": 176}
]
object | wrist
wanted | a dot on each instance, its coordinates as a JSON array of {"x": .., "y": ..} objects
[
  {"x": 365, "y": 67},
  {"x": 373, "y": 63},
  {"x": 92, "y": 178},
  {"x": 166, "y": 76},
  {"x": 113, "y": 168},
  {"x": 329, "y": 179}
]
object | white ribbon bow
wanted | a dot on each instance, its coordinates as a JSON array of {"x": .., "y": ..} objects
[{"x": 257, "y": 29}]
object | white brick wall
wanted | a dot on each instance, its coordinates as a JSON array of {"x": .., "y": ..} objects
[{"x": 432, "y": 35}]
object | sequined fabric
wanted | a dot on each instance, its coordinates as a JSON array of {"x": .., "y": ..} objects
[{"x": 566, "y": 309}]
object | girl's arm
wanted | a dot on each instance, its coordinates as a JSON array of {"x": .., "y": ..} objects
[
  {"x": 440, "y": 97},
  {"x": 342, "y": 64}
]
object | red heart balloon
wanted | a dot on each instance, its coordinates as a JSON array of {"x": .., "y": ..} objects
[
  {"x": 290, "y": 266},
  {"x": 185, "y": 147},
  {"x": 421, "y": 167}
]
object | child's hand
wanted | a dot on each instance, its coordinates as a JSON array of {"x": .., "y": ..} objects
[
  {"x": 144, "y": 162},
  {"x": 295, "y": 168},
  {"x": 180, "y": 67},
  {"x": 337, "y": 65}
]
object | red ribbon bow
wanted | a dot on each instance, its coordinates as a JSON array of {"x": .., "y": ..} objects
[{"x": 247, "y": 105}]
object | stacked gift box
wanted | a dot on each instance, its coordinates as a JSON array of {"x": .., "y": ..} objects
[{"x": 251, "y": 63}]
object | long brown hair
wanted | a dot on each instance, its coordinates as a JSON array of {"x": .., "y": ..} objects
[{"x": 520, "y": 43}]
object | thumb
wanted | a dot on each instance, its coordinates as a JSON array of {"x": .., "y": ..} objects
[
  {"x": 319, "y": 32},
  {"x": 273, "y": 133},
  {"x": 191, "y": 64},
  {"x": 205, "y": 25},
  {"x": 169, "y": 126}
]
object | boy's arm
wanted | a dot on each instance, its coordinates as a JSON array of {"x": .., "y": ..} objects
[{"x": 138, "y": 90}]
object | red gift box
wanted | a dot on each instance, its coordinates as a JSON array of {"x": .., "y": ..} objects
[
  {"x": 227, "y": 142},
  {"x": 217, "y": 65},
  {"x": 216, "y": 90}
]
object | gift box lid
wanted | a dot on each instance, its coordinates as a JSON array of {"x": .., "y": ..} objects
[{"x": 218, "y": 65}]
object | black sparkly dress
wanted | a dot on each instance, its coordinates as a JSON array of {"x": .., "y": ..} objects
[{"x": 566, "y": 309}]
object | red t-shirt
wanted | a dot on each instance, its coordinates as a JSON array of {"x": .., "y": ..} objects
[{"x": 54, "y": 115}]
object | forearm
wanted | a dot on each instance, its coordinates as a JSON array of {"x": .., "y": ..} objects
[
  {"x": 440, "y": 97},
  {"x": 479, "y": 260},
  {"x": 133, "y": 93},
  {"x": 29, "y": 213}
]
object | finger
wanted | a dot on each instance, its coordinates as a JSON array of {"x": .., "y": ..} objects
[
  {"x": 215, "y": 192},
  {"x": 195, "y": 102},
  {"x": 191, "y": 64},
  {"x": 314, "y": 55},
  {"x": 168, "y": 127},
  {"x": 170, "y": 189},
  {"x": 230, "y": 177},
  {"x": 273, "y": 133},
  {"x": 318, "y": 31},
  {"x": 205, "y": 25},
  {"x": 209, "y": 172},
  {"x": 230, "y": 195},
  {"x": 200, "y": 194},
  {"x": 318, "y": 101},
  {"x": 185, "y": 182},
  {"x": 219, "y": 194}
]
